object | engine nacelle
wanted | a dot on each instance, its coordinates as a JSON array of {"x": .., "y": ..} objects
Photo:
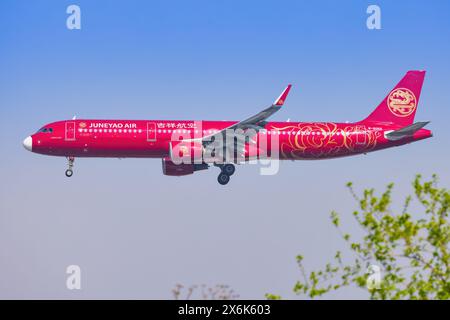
[{"x": 171, "y": 169}]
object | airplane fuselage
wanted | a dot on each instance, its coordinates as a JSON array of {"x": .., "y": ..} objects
[{"x": 151, "y": 138}]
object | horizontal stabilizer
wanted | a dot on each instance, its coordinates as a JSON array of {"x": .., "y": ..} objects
[{"x": 407, "y": 131}]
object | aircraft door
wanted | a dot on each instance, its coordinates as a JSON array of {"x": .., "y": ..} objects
[
  {"x": 70, "y": 131},
  {"x": 361, "y": 135},
  {"x": 151, "y": 131}
]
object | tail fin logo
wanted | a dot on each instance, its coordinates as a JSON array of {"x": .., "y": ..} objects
[{"x": 402, "y": 102}]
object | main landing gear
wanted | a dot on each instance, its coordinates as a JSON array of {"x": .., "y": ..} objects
[
  {"x": 69, "y": 171},
  {"x": 226, "y": 171}
]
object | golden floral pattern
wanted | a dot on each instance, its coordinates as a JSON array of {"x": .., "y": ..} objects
[{"x": 324, "y": 140}]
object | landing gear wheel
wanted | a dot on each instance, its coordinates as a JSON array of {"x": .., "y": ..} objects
[
  {"x": 69, "y": 171},
  {"x": 223, "y": 178},
  {"x": 228, "y": 169}
]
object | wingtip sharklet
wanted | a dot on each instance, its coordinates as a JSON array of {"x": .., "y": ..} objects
[{"x": 280, "y": 100}]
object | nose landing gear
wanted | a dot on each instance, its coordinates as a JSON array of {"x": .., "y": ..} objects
[
  {"x": 69, "y": 171},
  {"x": 226, "y": 170}
]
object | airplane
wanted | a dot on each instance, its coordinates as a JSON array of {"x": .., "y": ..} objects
[{"x": 391, "y": 124}]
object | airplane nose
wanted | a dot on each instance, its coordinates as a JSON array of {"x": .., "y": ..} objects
[{"x": 28, "y": 143}]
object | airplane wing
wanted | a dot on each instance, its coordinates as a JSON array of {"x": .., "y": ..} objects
[{"x": 256, "y": 122}]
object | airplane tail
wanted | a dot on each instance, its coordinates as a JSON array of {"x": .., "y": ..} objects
[{"x": 400, "y": 105}]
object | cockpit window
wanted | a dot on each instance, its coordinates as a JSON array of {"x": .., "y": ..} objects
[{"x": 48, "y": 130}]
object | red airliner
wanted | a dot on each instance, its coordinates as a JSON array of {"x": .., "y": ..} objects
[{"x": 201, "y": 144}]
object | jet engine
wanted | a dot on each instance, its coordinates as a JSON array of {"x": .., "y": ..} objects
[{"x": 171, "y": 169}]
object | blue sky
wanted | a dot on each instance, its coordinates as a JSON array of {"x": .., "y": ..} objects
[{"x": 136, "y": 233}]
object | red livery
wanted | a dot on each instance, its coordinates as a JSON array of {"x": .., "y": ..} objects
[{"x": 189, "y": 146}]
